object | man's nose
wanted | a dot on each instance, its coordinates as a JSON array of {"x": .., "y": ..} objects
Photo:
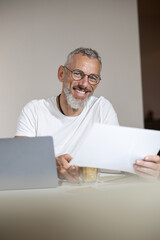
[{"x": 84, "y": 81}]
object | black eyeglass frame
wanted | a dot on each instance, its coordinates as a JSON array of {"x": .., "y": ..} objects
[{"x": 83, "y": 75}]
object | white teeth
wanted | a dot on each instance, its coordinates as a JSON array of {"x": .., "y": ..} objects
[{"x": 81, "y": 92}]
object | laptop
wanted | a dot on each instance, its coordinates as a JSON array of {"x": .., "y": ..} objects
[{"x": 27, "y": 163}]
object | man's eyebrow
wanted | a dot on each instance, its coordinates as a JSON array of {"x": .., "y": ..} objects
[{"x": 76, "y": 69}]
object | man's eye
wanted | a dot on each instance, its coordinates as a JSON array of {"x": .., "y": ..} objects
[
  {"x": 92, "y": 77},
  {"x": 77, "y": 74}
]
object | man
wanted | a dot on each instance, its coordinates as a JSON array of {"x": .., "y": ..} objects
[{"x": 69, "y": 116}]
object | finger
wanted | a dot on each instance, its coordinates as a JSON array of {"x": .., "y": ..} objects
[
  {"x": 147, "y": 171},
  {"x": 63, "y": 174},
  {"x": 152, "y": 158},
  {"x": 62, "y": 162},
  {"x": 148, "y": 164},
  {"x": 65, "y": 164},
  {"x": 145, "y": 176},
  {"x": 67, "y": 157},
  {"x": 74, "y": 171}
]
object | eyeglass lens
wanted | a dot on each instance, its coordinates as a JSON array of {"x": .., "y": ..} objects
[{"x": 78, "y": 75}]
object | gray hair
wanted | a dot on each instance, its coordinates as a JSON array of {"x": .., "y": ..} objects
[{"x": 90, "y": 53}]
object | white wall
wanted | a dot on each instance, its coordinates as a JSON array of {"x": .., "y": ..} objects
[{"x": 36, "y": 36}]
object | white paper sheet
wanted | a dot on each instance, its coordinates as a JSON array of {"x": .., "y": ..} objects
[{"x": 116, "y": 148}]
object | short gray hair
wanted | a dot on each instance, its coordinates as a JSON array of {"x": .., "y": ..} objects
[{"x": 90, "y": 53}]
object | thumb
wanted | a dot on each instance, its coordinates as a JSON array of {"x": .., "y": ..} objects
[{"x": 67, "y": 157}]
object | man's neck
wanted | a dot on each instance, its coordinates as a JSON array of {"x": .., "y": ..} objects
[{"x": 65, "y": 108}]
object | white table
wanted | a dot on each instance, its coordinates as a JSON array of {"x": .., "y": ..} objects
[{"x": 118, "y": 208}]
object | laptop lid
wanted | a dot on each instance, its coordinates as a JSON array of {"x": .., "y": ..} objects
[{"x": 27, "y": 163}]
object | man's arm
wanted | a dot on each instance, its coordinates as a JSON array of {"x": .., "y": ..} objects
[{"x": 27, "y": 128}]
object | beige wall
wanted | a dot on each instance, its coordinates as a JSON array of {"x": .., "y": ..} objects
[{"x": 37, "y": 35}]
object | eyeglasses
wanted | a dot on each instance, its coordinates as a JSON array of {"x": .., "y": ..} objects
[{"x": 77, "y": 75}]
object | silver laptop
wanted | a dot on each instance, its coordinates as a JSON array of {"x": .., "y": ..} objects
[{"x": 27, "y": 163}]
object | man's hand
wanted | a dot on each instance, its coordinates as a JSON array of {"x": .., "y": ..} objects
[
  {"x": 149, "y": 167},
  {"x": 65, "y": 170}
]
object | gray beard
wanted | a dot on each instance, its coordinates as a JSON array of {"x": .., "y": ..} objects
[{"x": 72, "y": 102}]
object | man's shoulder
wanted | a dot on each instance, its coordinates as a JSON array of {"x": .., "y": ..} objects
[
  {"x": 40, "y": 103},
  {"x": 99, "y": 100}
]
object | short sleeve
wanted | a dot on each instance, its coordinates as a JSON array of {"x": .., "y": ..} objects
[
  {"x": 109, "y": 115},
  {"x": 27, "y": 122}
]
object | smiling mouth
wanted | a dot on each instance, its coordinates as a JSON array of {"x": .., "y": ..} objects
[{"x": 81, "y": 90}]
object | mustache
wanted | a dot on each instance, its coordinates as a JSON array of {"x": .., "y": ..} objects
[{"x": 80, "y": 88}]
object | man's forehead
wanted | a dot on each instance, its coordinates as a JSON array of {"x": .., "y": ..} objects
[{"x": 79, "y": 60}]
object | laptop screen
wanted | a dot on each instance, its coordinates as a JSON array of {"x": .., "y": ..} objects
[{"x": 27, "y": 163}]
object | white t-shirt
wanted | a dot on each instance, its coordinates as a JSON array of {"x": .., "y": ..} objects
[{"x": 43, "y": 118}]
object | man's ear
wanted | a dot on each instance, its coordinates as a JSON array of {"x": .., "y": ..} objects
[{"x": 61, "y": 73}]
